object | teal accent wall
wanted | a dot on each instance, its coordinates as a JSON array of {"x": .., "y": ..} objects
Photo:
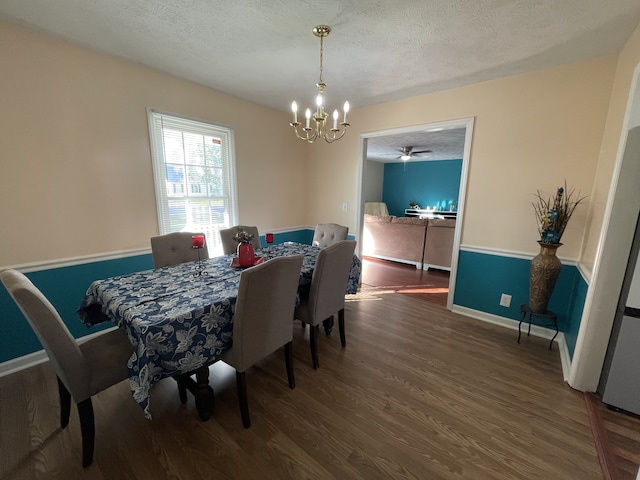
[
  {"x": 300, "y": 236},
  {"x": 65, "y": 288},
  {"x": 428, "y": 183},
  {"x": 482, "y": 278}
]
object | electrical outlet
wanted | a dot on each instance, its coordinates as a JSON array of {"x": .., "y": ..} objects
[
  {"x": 344, "y": 207},
  {"x": 505, "y": 300}
]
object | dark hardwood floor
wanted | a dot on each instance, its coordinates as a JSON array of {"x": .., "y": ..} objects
[
  {"x": 431, "y": 285},
  {"x": 418, "y": 393},
  {"x": 616, "y": 433}
]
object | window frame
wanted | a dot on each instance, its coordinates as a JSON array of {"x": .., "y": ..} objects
[{"x": 158, "y": 121}]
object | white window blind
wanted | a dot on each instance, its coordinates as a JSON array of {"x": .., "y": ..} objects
[{"x": 194, "y": 175}]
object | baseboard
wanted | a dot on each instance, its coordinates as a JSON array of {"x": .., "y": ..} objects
[
  {"x": 36, "y": 358},
  {"x": 427, "y": 266},
  {"x": 537, "y": 331},
  {"x": 418, "y": 265},
  {"x": 69, "y": 262},
  {"x": 22, "y": 363}
]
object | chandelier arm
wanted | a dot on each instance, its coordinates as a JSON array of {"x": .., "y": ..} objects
[
  {"x": 336, "y": 134},
  {"x": 308, "y": 135}
]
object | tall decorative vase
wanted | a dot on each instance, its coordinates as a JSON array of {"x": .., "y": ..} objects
[
  {"x": 246, "y": 254},
  {"x": 545, "y": 268}
]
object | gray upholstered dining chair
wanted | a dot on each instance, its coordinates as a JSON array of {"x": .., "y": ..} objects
[
  {"x": 327, "y": 234},
  {"x": 327, "y": 291},
  {"x": 229, "y": 245},
  {"x": 262, "y": 320},
  {"x": 83, "y": 370},
  {"x": 175, "y": 248}
]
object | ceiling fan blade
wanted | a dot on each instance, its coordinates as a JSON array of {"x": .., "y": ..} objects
[{"x": 417, "y": 152}]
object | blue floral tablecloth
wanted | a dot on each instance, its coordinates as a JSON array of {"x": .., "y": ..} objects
[{"x": 179, "y": 322}]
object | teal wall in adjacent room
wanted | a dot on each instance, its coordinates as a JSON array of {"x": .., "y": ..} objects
[
  {"x": 482, "y": 278},
  {"x": 428, "y": 183}
]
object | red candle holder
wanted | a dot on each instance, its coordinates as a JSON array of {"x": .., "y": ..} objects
[
  {"x": 268, "y": 238},
  {"x": 197, "y": 241}
]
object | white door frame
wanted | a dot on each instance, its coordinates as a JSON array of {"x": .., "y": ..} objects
[{"x": 466, "y": 123}]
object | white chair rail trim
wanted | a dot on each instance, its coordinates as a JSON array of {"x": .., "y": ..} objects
[
  {"x": 511, "y": 253},
  {"x": 584, "y": 272},
  {"x": 72, "y": 261},
  {"x": 101, "y": 257}
]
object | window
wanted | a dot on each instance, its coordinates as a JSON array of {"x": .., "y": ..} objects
[{"x": 194, "y": 176}]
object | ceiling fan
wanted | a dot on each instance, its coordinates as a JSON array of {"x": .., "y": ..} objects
[{"x": 407, "y": 153}]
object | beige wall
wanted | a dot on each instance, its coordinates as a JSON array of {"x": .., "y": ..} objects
[
  {"x": 373, "y": 181},
  {"x": 75, "y": 165},
  {"x": 531, "y": 132}
]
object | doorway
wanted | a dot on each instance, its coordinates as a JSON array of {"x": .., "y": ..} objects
[{"x": 427, "y": 134}]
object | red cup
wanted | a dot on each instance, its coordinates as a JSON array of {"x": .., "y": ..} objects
[
  {"x": 197, "y": 241},
  {"x": 268, "y": 237}
]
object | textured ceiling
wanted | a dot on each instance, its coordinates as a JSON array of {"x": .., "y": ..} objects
[
  {"x": 378, "y": 51},
  {"x": 444, "y": 145}
]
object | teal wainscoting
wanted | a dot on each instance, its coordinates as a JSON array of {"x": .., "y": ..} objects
[
  {"x": 300, "y": 236},
  {"x": 65, "y": 288},
  {"x": 482, "y": 278}
]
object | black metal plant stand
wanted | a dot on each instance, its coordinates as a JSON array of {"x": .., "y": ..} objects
[{"x": 526, "y": 310}]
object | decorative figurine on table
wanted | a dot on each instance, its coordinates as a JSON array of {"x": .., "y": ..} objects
[
  {"x": 197, "y": 242},
  {"x": 246, "y": 254}
]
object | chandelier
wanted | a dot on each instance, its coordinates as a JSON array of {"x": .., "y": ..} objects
[{"x": 319, "y": 129}]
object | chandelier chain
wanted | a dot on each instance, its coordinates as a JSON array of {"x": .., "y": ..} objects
[{"x": 321, "y": 38}]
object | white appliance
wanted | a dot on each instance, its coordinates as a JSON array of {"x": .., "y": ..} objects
[{"x": 620, "y": 381}]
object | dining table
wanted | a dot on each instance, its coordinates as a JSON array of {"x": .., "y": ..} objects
[{"x": 180, "y": 317}]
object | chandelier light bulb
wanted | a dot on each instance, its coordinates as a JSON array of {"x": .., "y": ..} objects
[
  {"x": 294, "y": 109},
  {"x": 307, "y": 115},
  {"x": 335, "y": 119}
]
